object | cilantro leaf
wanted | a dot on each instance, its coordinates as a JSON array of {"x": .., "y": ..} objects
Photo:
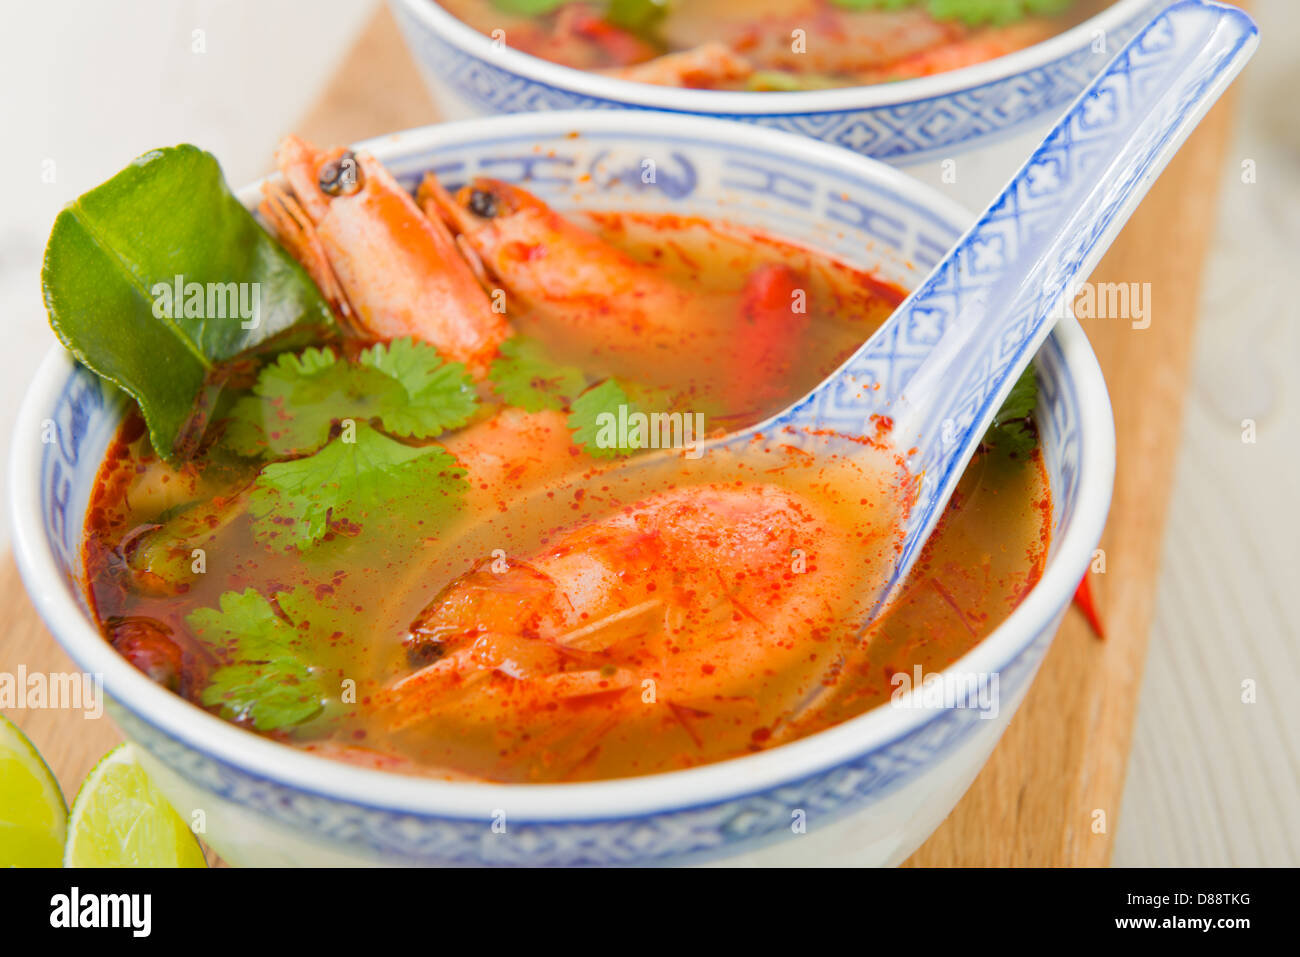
[
  {"x": 298, "y": 399},
  {"x": 438, "y": 395},
  {"x": 350, "y": 483},
  {"x": 1013, "y": 430},
  {"x": 594, "y": 419},
  {"x": 523, "y": 376},
  {"x": 262, "y": 678}
]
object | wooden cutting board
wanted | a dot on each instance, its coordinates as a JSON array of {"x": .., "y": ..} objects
[{"x": 1063, "y": 758}]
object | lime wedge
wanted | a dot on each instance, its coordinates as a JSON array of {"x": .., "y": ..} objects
[
  {"x": 119, "y": 819},
  {"x": 33, "y": 815}
]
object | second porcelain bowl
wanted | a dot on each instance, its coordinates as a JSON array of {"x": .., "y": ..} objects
[{"x": 965, "y": 131}]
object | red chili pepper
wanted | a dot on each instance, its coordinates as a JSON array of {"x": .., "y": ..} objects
[
  {"x": 773, "y": 318},
  {"x": 622, "y": 47},
  {"x": 1083, "y": 601}
]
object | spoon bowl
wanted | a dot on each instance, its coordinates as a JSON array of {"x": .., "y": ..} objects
[{"x": 938, "y": 370}]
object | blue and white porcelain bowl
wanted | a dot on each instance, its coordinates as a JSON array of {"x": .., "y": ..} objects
[
  {"x": 868, "y": 791},
  {"x": 964, "y": 132}
]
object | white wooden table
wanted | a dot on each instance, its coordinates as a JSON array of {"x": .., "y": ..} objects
[{"x": 1213, "y": 780}]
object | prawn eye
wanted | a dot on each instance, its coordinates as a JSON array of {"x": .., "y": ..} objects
[
  {"x": 341, "y": 177},
  {"x": 482, "y": 203},
  {"x": 422, "y": 653}
]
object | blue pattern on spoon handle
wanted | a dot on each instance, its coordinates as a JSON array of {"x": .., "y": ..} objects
[{"x": 943, "y": 363}]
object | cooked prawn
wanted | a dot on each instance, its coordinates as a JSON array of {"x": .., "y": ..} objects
[
  {"x": 387, "y": 270},
  {"x": 836, "y": 39},
  {"x": 571, "y": 280},
  {"x": 512, "y": 452},
  {"x": 977, "y": 47},
  {"x": 566, "y": 279},
  {"x": 707, "y": 66},
  {"x": 688, "y": 594},
  {"x": 551, "y": 266}
]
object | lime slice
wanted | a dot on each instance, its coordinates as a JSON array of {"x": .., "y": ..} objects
[
  {"x": 119, "y": 819},
  {"x": 33, "y": 815}
]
